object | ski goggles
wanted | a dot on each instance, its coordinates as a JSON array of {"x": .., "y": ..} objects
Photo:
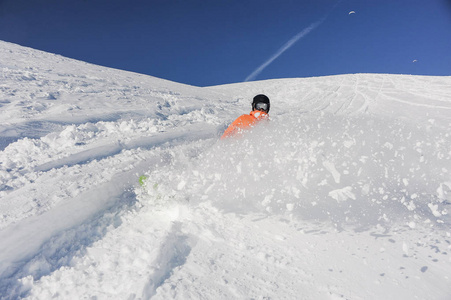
[{"x": 261, "y": 106}]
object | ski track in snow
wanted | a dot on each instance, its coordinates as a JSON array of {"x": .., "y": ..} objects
[{"x": 350, "y": 179}]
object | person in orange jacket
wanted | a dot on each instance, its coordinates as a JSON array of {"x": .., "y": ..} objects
[{"x": 260, "y": 109}]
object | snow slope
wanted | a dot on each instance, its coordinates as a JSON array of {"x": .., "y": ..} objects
[{"x": 344, "y": 194}]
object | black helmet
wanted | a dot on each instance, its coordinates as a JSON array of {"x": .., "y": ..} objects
[{"x": 260, "y": 99}]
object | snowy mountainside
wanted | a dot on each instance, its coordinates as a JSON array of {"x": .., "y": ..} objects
[
  {"x": 426, "y": 97},
  {"x": 349, "y": 179}
]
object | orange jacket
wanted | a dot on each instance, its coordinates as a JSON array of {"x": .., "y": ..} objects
[{"x": 244, "y": 122}]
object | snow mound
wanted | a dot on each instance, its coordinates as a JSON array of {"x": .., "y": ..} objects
[{"x": 348, "y": 171}]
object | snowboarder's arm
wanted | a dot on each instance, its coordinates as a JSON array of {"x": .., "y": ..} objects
[{"x": 238, "y": 125}]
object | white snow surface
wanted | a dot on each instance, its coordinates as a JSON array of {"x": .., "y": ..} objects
[{"x": 344, "y": 194}]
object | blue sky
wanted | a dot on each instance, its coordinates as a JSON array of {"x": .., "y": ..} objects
[{"x": 211, "y": 42}]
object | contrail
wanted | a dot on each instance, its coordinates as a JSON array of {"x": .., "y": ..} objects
[{"x": 285, "y": 47}]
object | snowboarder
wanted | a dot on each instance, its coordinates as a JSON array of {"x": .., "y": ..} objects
[{"x": 260, "y": 109}]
